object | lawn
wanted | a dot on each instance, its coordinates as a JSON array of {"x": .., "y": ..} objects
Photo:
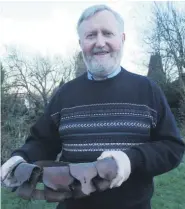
[
  {"x": 169, "y": 194},
  {"x": 170, "y": 189}
]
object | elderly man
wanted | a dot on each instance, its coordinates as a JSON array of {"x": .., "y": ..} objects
[{"x": 107, "y": 111}]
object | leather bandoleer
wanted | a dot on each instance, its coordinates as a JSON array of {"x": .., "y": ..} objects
[{"x": 62, "y": 180}]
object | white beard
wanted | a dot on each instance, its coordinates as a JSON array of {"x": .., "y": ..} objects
[{"x": 104, "y": 67}]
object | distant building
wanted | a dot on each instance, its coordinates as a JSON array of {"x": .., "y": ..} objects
[
  {"x": 155, "y": 70},
  {"x": 156, "y": 73},
  {"x": 80, "y": 66}
]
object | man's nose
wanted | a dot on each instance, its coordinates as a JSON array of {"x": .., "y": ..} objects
[{"x": 100, "y": 41}]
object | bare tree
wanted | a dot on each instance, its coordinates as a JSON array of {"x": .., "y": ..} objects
[
  {"x": 33, "y": 77},
  {"x": 38, "y": 76},
  {"x": 167, "y": 38}
]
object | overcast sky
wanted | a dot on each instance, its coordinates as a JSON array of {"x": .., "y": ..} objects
[{"x": 50, "y": 28}]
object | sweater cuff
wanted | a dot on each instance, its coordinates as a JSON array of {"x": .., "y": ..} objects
[
  {"x": 21, "y": 154},
  {"x": 135, "y": 157}
]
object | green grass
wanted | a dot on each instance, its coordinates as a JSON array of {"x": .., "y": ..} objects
[
  {"x": 169, "y": 193},
  {"x": 170, "y": 189},
  {"x": 10, "y": 201}
]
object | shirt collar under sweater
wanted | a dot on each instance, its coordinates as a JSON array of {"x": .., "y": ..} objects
[{"x": 90, "y": 76}]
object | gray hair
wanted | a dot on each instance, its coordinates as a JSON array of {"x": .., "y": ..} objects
[{"x": 90, "y": 11}]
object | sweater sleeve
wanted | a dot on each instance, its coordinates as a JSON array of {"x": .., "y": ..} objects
[
  {"x": 43, "y": 142},
  {"x": 166, "y": 149}
]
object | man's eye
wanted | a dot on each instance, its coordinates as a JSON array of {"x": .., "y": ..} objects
[
  {"x": 107, "y": 34},
  {"x": 90, "y": 35}
]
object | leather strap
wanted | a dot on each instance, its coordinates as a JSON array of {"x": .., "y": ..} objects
[{"x": 64, "y": 180}]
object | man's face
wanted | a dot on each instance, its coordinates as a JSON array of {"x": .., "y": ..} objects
[{"x": 102, "y": 43}]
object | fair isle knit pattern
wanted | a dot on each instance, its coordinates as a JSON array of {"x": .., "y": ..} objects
[{"x": 98, "y": 127}]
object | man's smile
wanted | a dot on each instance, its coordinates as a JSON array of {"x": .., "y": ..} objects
[{"x": 101, "y": 54}]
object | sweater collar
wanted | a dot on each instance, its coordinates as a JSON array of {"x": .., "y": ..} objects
[{"x": 90, "y": 76}]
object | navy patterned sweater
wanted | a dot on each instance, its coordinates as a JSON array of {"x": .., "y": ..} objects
[{"x": 127, "y": 112}]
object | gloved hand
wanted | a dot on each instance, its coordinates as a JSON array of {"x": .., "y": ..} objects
[
  {"x": 6, "y": 171},
  {"x": 123, "y": 163}
]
